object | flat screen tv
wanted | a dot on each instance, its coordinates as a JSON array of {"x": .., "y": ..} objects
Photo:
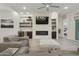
[{"x": 42, "y": 19}]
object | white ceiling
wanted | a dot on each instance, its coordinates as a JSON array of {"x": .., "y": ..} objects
[{"x": 33, "y": 7}]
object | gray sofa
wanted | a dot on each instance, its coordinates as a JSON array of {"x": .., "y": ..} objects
[{"x": 14, "y": 45}]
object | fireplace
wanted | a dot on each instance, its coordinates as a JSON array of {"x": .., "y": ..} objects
[{"x": 41, "y": 32}]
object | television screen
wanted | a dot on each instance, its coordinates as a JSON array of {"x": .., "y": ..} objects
[{"x": 42, "y": 19}]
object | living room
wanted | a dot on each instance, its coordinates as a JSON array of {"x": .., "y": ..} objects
[{"x": 45, "y": 28}]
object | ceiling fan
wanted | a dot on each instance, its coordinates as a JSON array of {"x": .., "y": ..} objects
[{"x": 48, "y": 5}]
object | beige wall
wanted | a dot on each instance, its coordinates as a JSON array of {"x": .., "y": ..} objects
[{"x": 7, "y": 13}]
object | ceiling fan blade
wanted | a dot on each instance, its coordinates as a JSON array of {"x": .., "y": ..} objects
[
  {"x": 49, "y": 4},
  {"x": 44, "y": 4},
  {"x": 55, "y": 6},
  {"x": 41, "y": 7}
]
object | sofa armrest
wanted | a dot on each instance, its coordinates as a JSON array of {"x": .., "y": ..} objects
[
  {"x": 14, "y": 38},
  {"x": 4, "y": 54},
  {"x": 10, "y": 44}
]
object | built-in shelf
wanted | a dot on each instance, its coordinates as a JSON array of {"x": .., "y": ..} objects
[
  {"x": 53, "y": 27},
  {"x": 25, "y": 33},
  {"x": 54, "y": 24},
  {"x": 26, "y": 26},
  {"x": 26, "y": 23}
]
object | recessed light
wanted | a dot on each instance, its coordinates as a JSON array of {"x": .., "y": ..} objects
[
  {"x": 65, "y": 7},
  {"x": 47, "y": 6},
  {"x": 15, "y": 12},
  {"x": 21, "y": 12},
  {"x": 24, "y": 7}
]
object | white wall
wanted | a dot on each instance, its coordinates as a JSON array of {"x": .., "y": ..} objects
[
  {"x": 47, "y": 27},
  {"x": 54, "y": 15},
  {"x": 43, "y": 27},
  {"x": 69, "y": 43},
  {"x": 71, "y": 26},
  {"x": 60, "y": 25},
  {"x": 7, "y": 13}
]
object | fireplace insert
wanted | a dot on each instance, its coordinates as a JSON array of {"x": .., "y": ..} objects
[{"x": 41, "y": 32}]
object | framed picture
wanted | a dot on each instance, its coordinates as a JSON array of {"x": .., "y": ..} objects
[{"x": 7, "y": 23}]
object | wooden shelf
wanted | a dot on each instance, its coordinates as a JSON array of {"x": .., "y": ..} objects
[
  {"x": 25, "y": 26},
  {"x": 24, "y": 23}
]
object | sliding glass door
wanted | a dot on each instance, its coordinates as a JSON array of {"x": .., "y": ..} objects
[{"x": 77, "y": 29}]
